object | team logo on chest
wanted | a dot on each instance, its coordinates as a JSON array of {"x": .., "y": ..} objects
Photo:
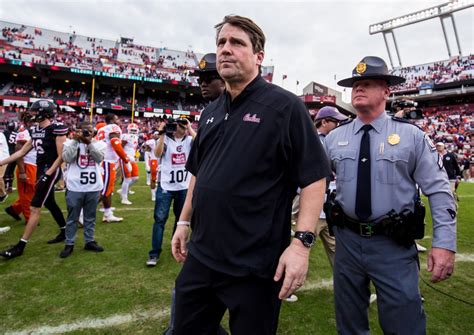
[
  {"x": 178, "y": 158},
  {"x": 86, "y": 160},
  {"x": 251, "y": 118}
]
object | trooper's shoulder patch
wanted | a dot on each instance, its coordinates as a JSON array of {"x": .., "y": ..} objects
[
  {"x": 430, "y": 143},
  {"x": 452, "y": 213}
]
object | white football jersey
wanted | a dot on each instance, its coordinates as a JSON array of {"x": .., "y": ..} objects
[
  {"x": 173, "y": 173},
  {"x": 152, "y": 143},
  {"x": 147, "y": 160},
  {"x": 30, "y": 157},
  {"x": 104, "y": 135},
  {"x": 84, "y": 174},
  {"x": 131, "y": 147}
]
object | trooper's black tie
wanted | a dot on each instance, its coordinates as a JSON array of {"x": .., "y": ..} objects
[{"x": 363, "y": 208}]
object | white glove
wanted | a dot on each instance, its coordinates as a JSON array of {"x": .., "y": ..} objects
[{"x": 129, "y": 166}]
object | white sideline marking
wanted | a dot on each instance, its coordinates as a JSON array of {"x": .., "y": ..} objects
[
  {"x": 114, "y": 320},
  {"x": 324, "y": 284},
  {"x": 464, "y": 257},
  {"x": 121, "y": 319},
  {"x": 117, "y": 210}
]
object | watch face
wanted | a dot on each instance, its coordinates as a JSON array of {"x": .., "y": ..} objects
[{"x": 307, "y": 238}]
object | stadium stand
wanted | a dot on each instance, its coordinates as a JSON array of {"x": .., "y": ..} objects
[
  {"x": 62, "y": 66},
  {"x": 94, "y": 47},
  {"x": 43, "y": 46},
  {"x": 173, "y": 59},
  {"x": 456, "y": 69}
]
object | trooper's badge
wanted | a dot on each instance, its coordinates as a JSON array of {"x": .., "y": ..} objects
[
  {"x": 202, "y": 64},
  {"x": 393, "y": 139},
  {"x": 361, "y": 67}
]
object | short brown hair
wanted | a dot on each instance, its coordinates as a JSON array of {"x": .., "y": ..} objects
[{"x": 255, "y": 33}]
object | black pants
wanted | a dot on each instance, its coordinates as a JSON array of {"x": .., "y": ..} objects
[
  {"x": 9, "y": 175},
  {"x": 44, "y": 194},
  {"x": 203, "y": 295}
]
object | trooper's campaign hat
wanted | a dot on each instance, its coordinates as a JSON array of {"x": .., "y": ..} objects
[
  {"x": 207, "y": 64},
  {"x": 371, "y": 67}
]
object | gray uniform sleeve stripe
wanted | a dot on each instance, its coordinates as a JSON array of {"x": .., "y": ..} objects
[{"x": 434, "y": 183}]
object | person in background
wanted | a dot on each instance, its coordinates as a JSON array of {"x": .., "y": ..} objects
[
  {"x": 172, "y": 148},
  {"x": 153, "y": 162},
  {"x": 25, "y": 175},
  {"x": 4, "y": 153},
  {"x": 450, "y": 164},
  {"x": 83, "y": 155},
  {"x": 110, "y": 134},
  {"x": 47, "y": 137},
  {"x": 10, "y": 134},
  {"x": 327, "y": 120},
  {"x": 130, "y": 177}
]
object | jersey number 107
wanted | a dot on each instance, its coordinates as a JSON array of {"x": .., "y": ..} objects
[{"x": 178, "y": 176}]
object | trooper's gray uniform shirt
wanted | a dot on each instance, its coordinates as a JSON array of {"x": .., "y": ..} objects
[{"x": 401, "y": 157}]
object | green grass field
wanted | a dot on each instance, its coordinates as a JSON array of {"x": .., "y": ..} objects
[{"x": 76, "y": 294}]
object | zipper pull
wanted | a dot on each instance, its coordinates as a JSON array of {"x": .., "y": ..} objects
[{"x": 226, "y": 116}]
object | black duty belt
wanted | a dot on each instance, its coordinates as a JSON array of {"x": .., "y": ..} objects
[{"x": 364, "y": 229}]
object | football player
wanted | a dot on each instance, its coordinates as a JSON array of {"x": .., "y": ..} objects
[
  {"x": 25, "y": 175},
  {"x": 130, "y": 177},
  {"x": 153, "y": 162},
  {"x": 10, "y": 134},
  {"x": 110, "y": 134},
  {"x": 47, "y": 137}
]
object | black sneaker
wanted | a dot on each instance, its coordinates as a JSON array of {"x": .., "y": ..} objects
[
  {"x": 67, "y": 251},
  {"x": 9, "y": 210},
  {"x": 13, "y": 252},
  {"x": 61, "y": 237},
  {"x": 3, "y": 198},
  {"x": 93, "y": 246}
]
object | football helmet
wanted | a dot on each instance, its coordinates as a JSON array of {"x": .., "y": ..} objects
[
  {"x": 41, "y": 110},
  {"x": 132, "y": 128},
  {"x": 12, "y": 126}
]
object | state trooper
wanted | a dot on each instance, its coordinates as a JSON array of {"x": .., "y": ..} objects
[{"x": 377, "y": 213}]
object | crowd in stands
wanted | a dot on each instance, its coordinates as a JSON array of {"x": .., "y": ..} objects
[
  {"x": 453, "y": 125},
  {"x": 25, "y": 90},
  {"x": 36, "y": 91},
  {"x": 455, "y": 69},
  {"x": 71, "y": 50},
  {"x": 196, "y": 107},
  {"x": 69, "y": 94}
]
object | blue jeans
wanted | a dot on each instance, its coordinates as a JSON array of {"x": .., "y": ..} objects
[{"x": 162, "y": 210}]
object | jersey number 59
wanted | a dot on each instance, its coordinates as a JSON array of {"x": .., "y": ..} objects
[{"x": 88, "y": 178}]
